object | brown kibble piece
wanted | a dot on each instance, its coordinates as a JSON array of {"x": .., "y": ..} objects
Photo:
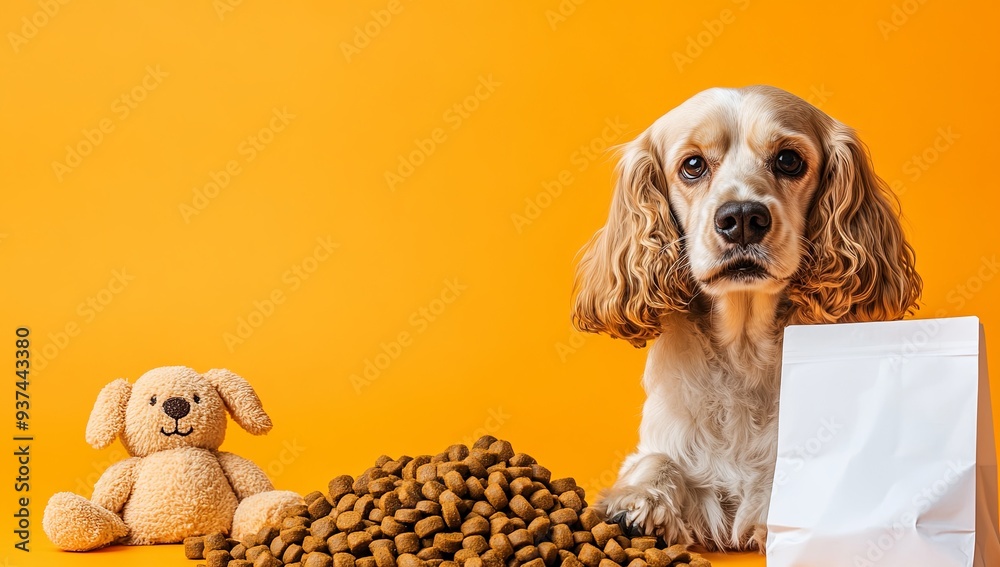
[
  {"x": 526, "y": 553},
  {"x": 570, "y": 499},
  {"x": 448, "y": 542},
  {"x": 311, "y": 543},
  {"x": 214, "y": 542},
  {"x": 256, "y": 551},
  {"x": 564, "y": 516},
  {"x": 428, "y": 526},
  {"x": 536, "y": 562},
  {"x": 476, "y": 543},
  {"x": 657, "y": 558},
  {"x": 475, "y": 525},
  {"x": 643, "y": 543},
  {"x": 473, "y": 562},
  {"x": 675, "y": 553},
  {"x": 409, "y": 560},
  {"x": 539, "y": 527},
  {"x": 589, "y": 518},
  {"x": 502, "y": 449},
  {"x": 571, "y": 561},
  {"x": 496, "y": 496},
  {"x": 316, "y": 559},
  {"x": 323, "y": 527},
  {"x": 217, "y": 558},
  {"x": 484, "y": 442},
  {"x": 548, "y": 552},
  {"x": 520, "y": 538},
  {"x": 278, "y": 546},
  {"x": 364, "y": 562},
  {"x": 520, "y": 506},
  {"x": 293, "y": 553},
  {"x": 455, "y": 483},
  {"x": 562, "y": 536},
  {"x": 700, "y": 562},
  {"x": 560, "y": 485},
  {"x": 452, "y": 517},
  {"x": 638, "y": 563},
  {"x": 408, "y": 516},
  {"x": 590, "y": 555},
  {"x": 358, "y": 542},
  {"x": 615, "y": 551},
  {"x": 391, "y": 527},
  {"x": 194, "y": 547},
  {"x": 407, "y": 543},
  {"x": 605, "y": 531},
  {"x": 608, "y": 563},
  {"x": 266, "y": 560},
  {"x": 319, "y": 508},
  {"x": 349, "y": 521},
  {"x": 502, "y": 545},
  {"x": 542, "y": 499},
  {"x": 340, "y": 486},
  {"x": 337, "y": 543},
  {"x": 343, "y": 560},
  {"x": 294, "y": 535}
]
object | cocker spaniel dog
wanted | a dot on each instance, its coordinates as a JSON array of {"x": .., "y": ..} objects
[{"x": 735, "y": 214}]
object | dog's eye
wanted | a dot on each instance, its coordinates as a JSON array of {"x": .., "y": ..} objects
[
  {"x": 693, "y": 167},
  {"x": 788, "y": 163},
  {"x": 196, "y": 399},
  {"x": 152, "y": 401}
]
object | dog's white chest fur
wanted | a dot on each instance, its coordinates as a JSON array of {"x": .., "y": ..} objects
[
  {"x": 192, "y": 481},
  {"x": 711, "y": 410}
]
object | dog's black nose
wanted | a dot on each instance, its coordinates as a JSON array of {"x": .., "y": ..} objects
[
  {"x": 176, "y": 407},
  {"x": 743, "y": 222}
]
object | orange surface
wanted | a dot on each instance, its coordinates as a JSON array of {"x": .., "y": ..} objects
[{"x": 459, "y": 147}]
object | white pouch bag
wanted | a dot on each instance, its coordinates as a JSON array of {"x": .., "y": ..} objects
[{"x": 885, "y": 453}]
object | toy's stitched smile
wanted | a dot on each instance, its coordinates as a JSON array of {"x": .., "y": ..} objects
[{"x": 177, "y": 431}]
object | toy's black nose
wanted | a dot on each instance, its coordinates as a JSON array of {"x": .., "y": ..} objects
[{"x": 176, "y": 407}]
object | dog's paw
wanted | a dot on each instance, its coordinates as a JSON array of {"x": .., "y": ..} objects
[{"x": 643, "y": 510}]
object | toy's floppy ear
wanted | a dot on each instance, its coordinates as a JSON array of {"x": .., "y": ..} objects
[
  {"x": 241, "y": 401},
  {"x": 107, "y": 419}
]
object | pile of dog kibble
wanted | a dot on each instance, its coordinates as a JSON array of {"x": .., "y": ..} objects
[{"x": 484, "y": 507}]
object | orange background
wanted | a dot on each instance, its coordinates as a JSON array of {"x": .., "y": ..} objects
[{"x": 202, "y": 80}]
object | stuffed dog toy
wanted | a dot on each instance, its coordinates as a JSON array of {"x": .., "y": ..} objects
[{"x": 176, "y": 483}]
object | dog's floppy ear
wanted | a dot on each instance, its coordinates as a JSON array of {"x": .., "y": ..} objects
[
  {"x": 107, "y": 419},
  {"x": 631, "y": 271},
  {"x": 241, "y": 400},
  {"x": 861, "y": 268}
]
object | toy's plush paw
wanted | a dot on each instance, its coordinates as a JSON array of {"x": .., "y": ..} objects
[
  {"x": 259, "y": 510},
  {"x": 74, "y": 523}
]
